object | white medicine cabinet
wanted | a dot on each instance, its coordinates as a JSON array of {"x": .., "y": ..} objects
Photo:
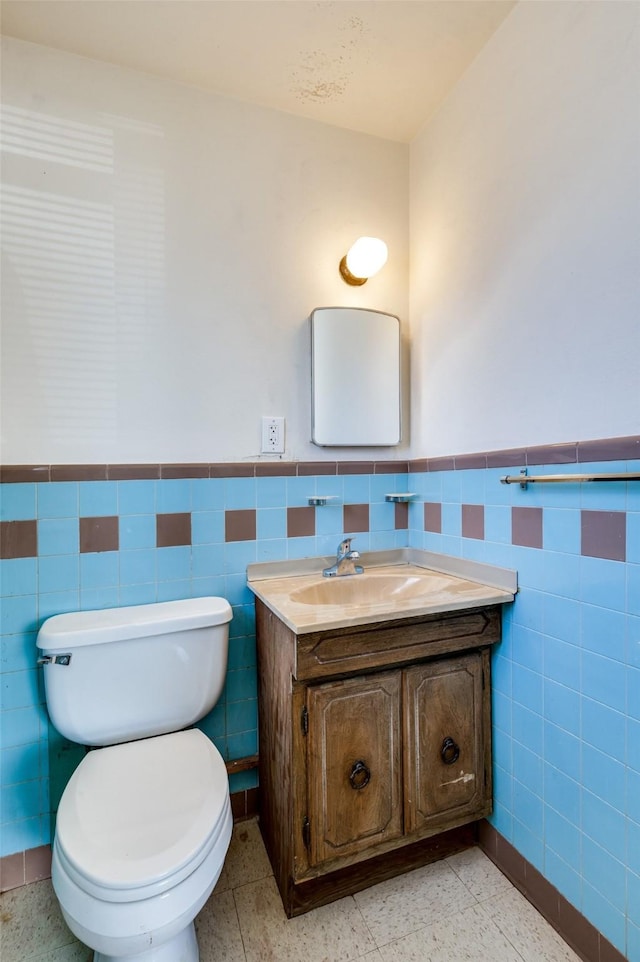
[{"x": 355, "y": 377}]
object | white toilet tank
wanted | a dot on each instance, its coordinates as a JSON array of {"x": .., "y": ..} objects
[{"x": 125, "y": 673}]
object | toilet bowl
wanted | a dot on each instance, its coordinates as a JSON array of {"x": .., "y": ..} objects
[{"x": 143, "y": 826}]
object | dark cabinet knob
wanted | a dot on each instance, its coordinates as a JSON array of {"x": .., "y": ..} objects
[
  {"x": 360, "y": 776},
  {"x": 450, "y": 752}
]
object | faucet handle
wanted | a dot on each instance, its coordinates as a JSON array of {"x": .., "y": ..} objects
[{"x": 345, "y": 546}]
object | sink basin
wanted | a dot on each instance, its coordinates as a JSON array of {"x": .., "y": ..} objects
[{"x": 369, "y": 589}]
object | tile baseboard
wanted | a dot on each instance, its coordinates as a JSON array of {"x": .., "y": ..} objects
[{"x": 570, "y": 924}]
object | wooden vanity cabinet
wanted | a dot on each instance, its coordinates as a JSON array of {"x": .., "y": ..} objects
[{"x": 375, "y": 744}]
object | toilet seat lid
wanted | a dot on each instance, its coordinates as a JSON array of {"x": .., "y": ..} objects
[{"x": 137, "y": 813}]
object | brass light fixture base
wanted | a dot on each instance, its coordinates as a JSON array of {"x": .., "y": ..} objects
[{"x": 347, "y": 276}]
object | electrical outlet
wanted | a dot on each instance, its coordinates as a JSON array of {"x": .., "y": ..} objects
[{"x": 272, "y": 435}]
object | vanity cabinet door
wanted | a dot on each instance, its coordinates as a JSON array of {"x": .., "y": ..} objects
[
  {"x": 354, "y": 765},
  {"x": 447, "y": 742}
]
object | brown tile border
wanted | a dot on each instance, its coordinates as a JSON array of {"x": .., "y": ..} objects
[
  {"x": 301, "y": 522},
  {"x": 604, "y": 449},
  {"x": 401, "y": 517},
  {"x": 24, "y": 867},
  {"x": 173, "y": 530},
  {"x": 433, "y": 517},
  {"x": 240, "y": 525},
  {"x": 355, "y": 517},
  {"x": 526, "y": 527},
  {"x": 244, "y": 804},
  {"x": 473, "y": 521},
  {"x": 580, "y": 934},
  {"x": 604, "y": 534},
  {"x": 99, "y": 534},
  {"x": 18, "y": 539}
]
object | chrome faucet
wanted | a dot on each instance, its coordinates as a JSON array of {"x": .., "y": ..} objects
[{"x": 345, "y": 562}]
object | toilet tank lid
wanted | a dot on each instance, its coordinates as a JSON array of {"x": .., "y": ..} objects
[{"x": 80, "y": 628}]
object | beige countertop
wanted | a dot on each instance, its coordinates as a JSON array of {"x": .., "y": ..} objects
[{"x": 309, "y": 602}]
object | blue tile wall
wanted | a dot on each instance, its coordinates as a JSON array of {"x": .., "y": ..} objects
[
  {"x": 566, "y": 698},
  {"x": 62, "y": 579},
  {"x": 566, "y": 676}
]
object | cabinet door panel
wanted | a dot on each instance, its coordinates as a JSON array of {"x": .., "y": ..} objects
[
  {"x": 354, "y": 765},
  {"x": 445, "y": 742}
]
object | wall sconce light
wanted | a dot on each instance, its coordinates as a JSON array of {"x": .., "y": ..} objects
[{"x": 364, "y": 259}]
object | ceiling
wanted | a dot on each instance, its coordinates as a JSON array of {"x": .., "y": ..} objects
[{"x": 377, "y": 66}]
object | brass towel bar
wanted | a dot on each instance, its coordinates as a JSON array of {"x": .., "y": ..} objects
[{"x": 523, "y": 479}]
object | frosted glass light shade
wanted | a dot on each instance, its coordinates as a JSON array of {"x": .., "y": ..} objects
[{"x": 364, "y": 259}]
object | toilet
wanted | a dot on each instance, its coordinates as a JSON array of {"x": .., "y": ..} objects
[{"x": 144, "y": 824}]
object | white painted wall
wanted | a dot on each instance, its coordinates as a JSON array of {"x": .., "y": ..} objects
[
  {"x": 162, "y": 251},
  {"x": 525, "y": 238}
]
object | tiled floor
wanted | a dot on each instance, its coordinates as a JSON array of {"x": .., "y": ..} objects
[{"x": 461, "y": 908}]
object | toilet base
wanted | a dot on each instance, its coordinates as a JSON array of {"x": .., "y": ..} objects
[{"x": 183, "y": 947}]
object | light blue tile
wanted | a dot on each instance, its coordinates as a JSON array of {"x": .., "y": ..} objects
[
  {"x": 58, "y": 536},
  {"x": 137, "y": 567},
  {"x": 602, "y": 583},
  {"x": 237, "y": 555},
  {"x": 242, "y": 651},
  {"x": 633, "y": 846},
  {"x": 562, "y": 574},
  {"x": 356, "y": 489},
  {"x": 242, "y": 716},
  {"x": 214, "y": 723},
  {"x": 271, "y": 492},
  {"x": 502, "y": 749},
  {"x": 497, "y": 523},
  {"x": 58, "y": 602},
  {"x": 136, "y": 497},
  {"x": 611, "y": 496},
  {"x": 563, "y": 877},
  {"x": 236, "y": 590},
  {"x": 275, "y": 550},
  {"x": 531, "y": 565},
  {"x": 271, "y": 523},
  {"x": 382, "y": 517},
  {"x": 60, "y": 573},
  {"x": 18, "y": 614},
  {"x": 241, "y": 781},
  {"x": 207, "y": 494},
  {"x": 632, "y": 807},
  {"x": 603, "y": 631},
  {"x": 207, "y": 527},
  {"x": 383, "y": 484},
  {"x": 561, "y": 618},
  {"x": 501, "y": 674},
  {"x": 383, "y": 540},
  {"x": 527, "y": 648},
  {"x": 562, "y": 707},
  {"x": 329, "y": 520},
  {"x": 137, "y": 531},
  {"x": 633, "y": 744},
  {"x": 302, "y": 548},
  {"x": 299, "y": 490},
  {"x": 18, "y": 576},
  {"x": 242, "y": 745},
  {"x": 174, "y": 563},
  {"x": 173, "y": 495},
  {"x": 23, "y": 835},
  {"x": 633, "y": 589},
  {"x": 21, "y": 800},
  {"x": 501, "y": 711},
  {"x": 633, "y": 537},
  {"x": 19, "y": 689},
  {"x": 633, "y": 942},
  {"x": 138, "y": 594},
  {"x": 21, "y": 726},
  {"x": 604, "y": 776},
  {"x": 528, "y": 609},
  {"x": 562, "y": 793},
  {"x": 527, "y": 688},
  {"x": 633, "y": 641},
  {"x": 472, "y": 486},
  {"x": 562, "y": 836},
  {"x": 603, "y": 728},
  {"x": 212, "y": 586},
  {"x": 19, "y": 764},
  {"x": 528, "y": 844},
  {"x": 562, "y": 663},
  {"x": 633, "y": 888},
  {"x": 174, "y": 590},
  {"x": 527, "y": 728},
  {"x": 502, "y": 820},
  {"x": 562, "y": 750},
  {"x": 95, "y": 599},
  {"x": 17, "y": 502},
  {"x": 207, "y": 560},
  {"x": 633, "y": 692},
  {"x": 561, "y": 530},
  {"x": 603, "y": 679},
  {"x": 600, "y": 912},
  {"x": 98, "y": 499},
  {"x": 58, "y": 499},
  {"x": 18, "y": 652},
  {"x": 443, "y": 486},
  {"x": 527, "y": 769},
  {"x": 98, "y": 569},
  {"x": 241, "y": 684},
  {"x": 604, "y": 824},
  {"x": 240, "y": 493},
  {"x": 451, "y": 520}
]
